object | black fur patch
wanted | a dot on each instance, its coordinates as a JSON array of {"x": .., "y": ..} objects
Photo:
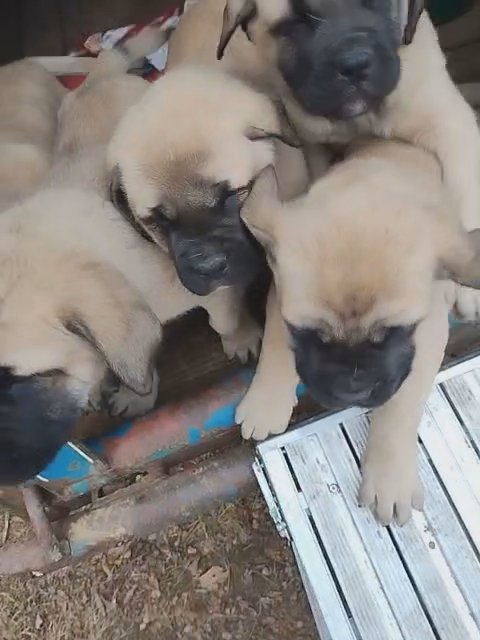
[
  {"x": 119, "y": 199},
  {"x": 339, "y": 60},
  {"x": 36, "y": 420},
  {"x": 210, "y": 245},
  {"x": 339, "y": 375}
]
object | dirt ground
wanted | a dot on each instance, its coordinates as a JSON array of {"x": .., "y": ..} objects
[{"x": 226, "y": 576}]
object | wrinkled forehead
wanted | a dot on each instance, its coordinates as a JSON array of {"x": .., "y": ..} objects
[
  {"x": 198, "y": 178},
  {"x": 188, "y": 194},
  {"x": 353, "y": 298}
]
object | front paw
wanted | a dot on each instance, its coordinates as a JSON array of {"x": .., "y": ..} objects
[
  {"x": 391, "y": 486},
  {"x": 264, "y": 411},
  {"x": 467, "y": 303},
  {"x": 114, "y": 398},
  {"x": 125, "y": 402},
  {"x": 243, "y": 342}
]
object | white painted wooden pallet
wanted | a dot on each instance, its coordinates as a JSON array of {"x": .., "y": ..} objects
[{"x": 364, "y": 581}]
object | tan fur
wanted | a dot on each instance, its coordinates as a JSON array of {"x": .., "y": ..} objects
[
  {"x": 69, "y": 260},
  {"x": 361, "y": 252},
  {"x": 426, "y": 109},
  {"x": 193, "y": 122},
  {"x": 88, "y": 115},
  {"x": 195, "y": 41},
  {"x": 29, "y": 101},
  {"x": 66, "y": 253}
]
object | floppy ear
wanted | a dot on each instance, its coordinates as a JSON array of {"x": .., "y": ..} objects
[
  {"x": 237, "y": 13},
  {"x": 414, "y": 10},
  {"x": 287, "y": 136},
  {"x": 106, "y": 311},
  {"x": 462, "y": 260},
  {"x": 260, "y": 211},
  {"x": 119, "y": 199}
]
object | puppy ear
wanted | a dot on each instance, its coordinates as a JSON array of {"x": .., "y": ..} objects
[
  {"x": 287, "y": 136},
  {"x": 237, "y": 13},
  {"x": 260, "y": 211},
  {"x": 461, "y": 263},
  {"x": 109, "y": 314},
  {"x": 413, "y": 12},
  {"x": 119, "y": 199}
]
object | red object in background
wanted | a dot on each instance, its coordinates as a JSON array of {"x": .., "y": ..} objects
[{"x": 71, "y": 82}]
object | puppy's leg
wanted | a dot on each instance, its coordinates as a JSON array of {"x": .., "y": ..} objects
[
  {"x": 238, "y": 331},
  {"x": 390, "y": 476},
  {"x": 434, "y": 115},
  {"x": 268, "y": 404},
  {"x": 458, "y": 149}
]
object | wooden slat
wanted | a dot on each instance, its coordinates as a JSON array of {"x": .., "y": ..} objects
[
  {"x": 437, "y": 552},
  {"x": 431, "y": 572},
  {"x": 354, "y": 570},
  {"x": 330, "y": 455},
  {"x": 421, "y": 580},
  {"x": 454, "y": 460},
  {"x": 334, "y": 622},
  {"x": 464, "y": 392}
]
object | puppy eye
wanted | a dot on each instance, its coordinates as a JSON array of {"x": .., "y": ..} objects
[
  {"x": 160, "y": 218},
  {"x": 231, "y": 200},
  {"x": 50, "y": 373}
]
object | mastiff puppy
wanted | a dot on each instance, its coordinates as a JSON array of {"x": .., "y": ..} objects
[
  {"x": 29, "y": 102},
  {"x": 183, "y": 161},
  {"x": 346, "y": 68},
  {"x": 83, "y": 301},
  {"x": 359, "y": 311},
  {"x": 83, "y": 297}
]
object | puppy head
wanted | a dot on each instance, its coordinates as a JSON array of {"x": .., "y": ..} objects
[
  {"x": 339, "y": 58},
  {"x": 355, "y": 274},
  {"x": 182, "y": 163},
  {"x": 64, "y": 323}
]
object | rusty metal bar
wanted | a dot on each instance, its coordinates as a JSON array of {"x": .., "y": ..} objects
[
  {"x": 141, "y": 510},
  {"x": 40, "y": 523}
]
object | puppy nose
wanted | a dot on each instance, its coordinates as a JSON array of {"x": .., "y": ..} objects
[
  {"x": 210, "y": 265},
  {"x": 354, "y": 64}
]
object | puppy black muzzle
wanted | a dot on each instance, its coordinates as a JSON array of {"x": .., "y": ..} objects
[
  {"x": 367, "y": 374},
  {"x": 210, "y": 246},
  {"x": 339, "y": 67},
  {"x": 36, "y": 419},
  {"x": 215, "y": 258}
]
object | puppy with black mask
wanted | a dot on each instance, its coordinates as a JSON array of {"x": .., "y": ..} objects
[
  {"x": 180, "y": 174},
  {"x": 347, "y": 69},
  {"x": 338, "y": 60},
  {"x": 359, "y": 310}
]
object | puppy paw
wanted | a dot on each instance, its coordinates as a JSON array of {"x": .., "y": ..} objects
[
  {"x": 243, "y": 342},
  {"x": 391, "y": 487},
  {"x": 125, "y": 402},
  {"x": 264, "y": 411},
  {"x": 117, "y": 400},
  {"x": 467, "y": 303}
]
